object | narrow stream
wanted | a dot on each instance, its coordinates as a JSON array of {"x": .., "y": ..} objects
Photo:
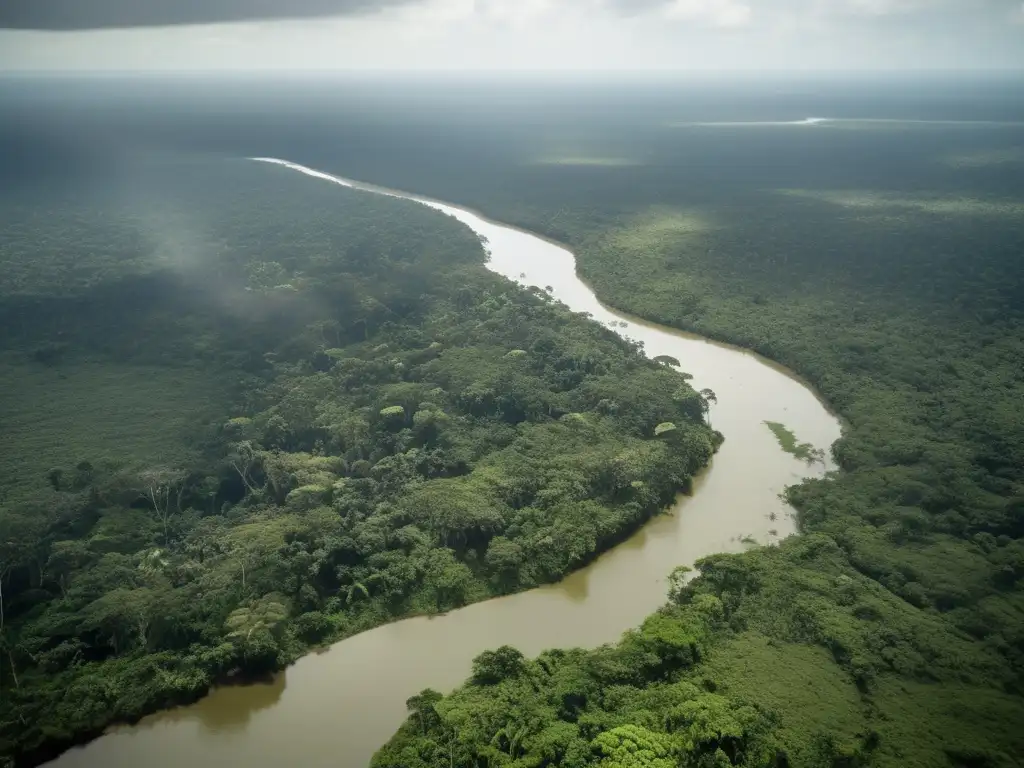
[{"x": 336, "y": 708}]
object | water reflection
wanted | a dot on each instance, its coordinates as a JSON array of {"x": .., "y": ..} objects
[
  {"x": 232, "y": 708},
  {"x": 223, "y": 710}
]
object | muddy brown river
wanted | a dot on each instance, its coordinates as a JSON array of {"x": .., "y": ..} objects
[{"x": 334, "y": 709}]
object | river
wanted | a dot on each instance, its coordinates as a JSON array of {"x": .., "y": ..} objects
[{"x": 334, "y": 709}]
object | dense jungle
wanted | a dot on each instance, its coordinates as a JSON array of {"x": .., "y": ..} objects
[
  {"x": 877, "y": 254},
  {"x": 278, "y": 414}
]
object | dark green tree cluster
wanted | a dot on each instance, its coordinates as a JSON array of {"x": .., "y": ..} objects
[{"x": 409, "y": 433}]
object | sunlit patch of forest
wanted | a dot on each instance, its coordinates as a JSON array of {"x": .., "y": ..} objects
[
  {"x": 983, "y": 158},
  {"x": 891, "y": 205},
  {"x": 245, "y": 415}
]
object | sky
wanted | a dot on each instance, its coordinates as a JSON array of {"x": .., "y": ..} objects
[{"x": 678, "y": 36}]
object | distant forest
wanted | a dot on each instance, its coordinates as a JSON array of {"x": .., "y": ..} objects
[{"x": 882, "y": 261}]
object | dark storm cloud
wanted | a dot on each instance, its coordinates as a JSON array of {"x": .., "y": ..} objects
[{"x": 102, "y": 14}]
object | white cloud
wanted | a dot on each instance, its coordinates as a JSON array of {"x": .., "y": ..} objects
[
  {"x": 566, "y": 35},
  {"x": 883, "y": 7},
  {"x": 448, "y": 10},
  {"x": 428, "y": 12},
  {"x": 926, "y": 8},
  {"x": 719, "y": 13},
  {"x": 517, "y": 13}
]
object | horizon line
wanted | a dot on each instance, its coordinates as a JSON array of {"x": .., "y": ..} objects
[{"x": 758, "y": 74}]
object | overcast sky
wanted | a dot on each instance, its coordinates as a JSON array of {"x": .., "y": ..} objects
[{"x": 480, "y": 35}]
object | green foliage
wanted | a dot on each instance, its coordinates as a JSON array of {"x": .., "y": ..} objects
[
  {"x": 627, "y": 705},
  {"x": 632, "y": 746},
  {"x": 491, "y": 667},
  {"x": 378, "y": 452},
  {"x": 892, "y": 635}
]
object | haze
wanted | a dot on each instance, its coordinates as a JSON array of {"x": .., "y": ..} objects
[{"x": 495, "y": 35}]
